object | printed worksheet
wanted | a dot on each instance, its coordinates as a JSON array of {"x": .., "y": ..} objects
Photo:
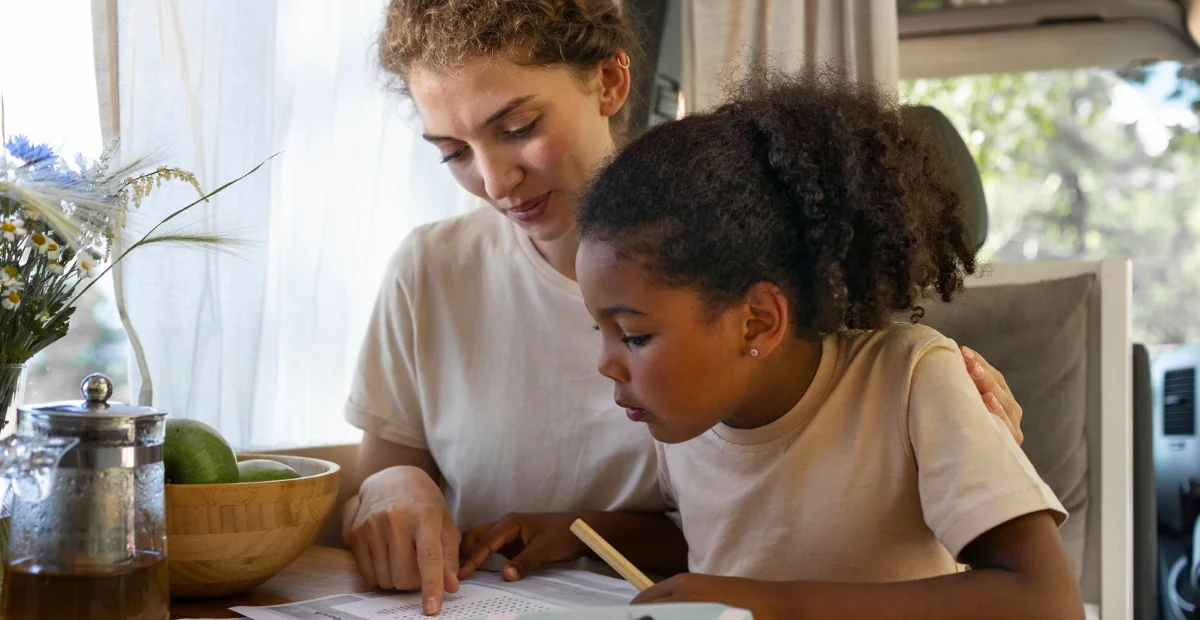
[
  {"x": 556, "y": 594},
  {"x": 471, "y": 601}
]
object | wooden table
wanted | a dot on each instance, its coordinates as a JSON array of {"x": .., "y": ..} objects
[{"x": 320, "y": 571}]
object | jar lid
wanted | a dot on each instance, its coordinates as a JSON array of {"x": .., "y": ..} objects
[{"x": 96, "y": 389}]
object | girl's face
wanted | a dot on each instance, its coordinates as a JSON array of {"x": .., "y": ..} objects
[
  {"x": 675, "y": 366},
  {"x": 524, "y": 139}
]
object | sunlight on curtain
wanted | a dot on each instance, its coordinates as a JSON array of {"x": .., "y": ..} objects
[
  {"x": 722, "y": 39},
  {"x": 48, "y": 87},
  {"x": 261, "y": 342}
]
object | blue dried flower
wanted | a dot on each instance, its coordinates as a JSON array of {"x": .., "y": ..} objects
[{"x": 21, "y": 148}]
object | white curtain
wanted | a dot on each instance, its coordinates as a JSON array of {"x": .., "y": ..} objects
[
  {"x": 720, "y": 39},
  {"x": 260, "y": 343}
]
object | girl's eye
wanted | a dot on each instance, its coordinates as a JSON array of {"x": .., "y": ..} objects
[
  {"x": 455, "y": 155},
  {"x": 524, "y": 131},
  {"x": 636, "y": 341}
]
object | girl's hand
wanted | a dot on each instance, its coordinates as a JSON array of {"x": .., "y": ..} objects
[
  {"x": 995, "y": 392},
  {"x": 764, "y": 599},
  {"x": 527, "y": 540}
]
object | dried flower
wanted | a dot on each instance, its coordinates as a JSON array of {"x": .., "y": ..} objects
[
  {"x": 75, "y": 211},
  {"x": 28, "y": 152}
]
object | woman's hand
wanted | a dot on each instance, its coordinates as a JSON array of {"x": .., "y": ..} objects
[
  {"x": 764, "y": 599},
  {"x": 995, "y": 392},
  {"x": 403, "y": 536},
  {"x": 527, "y": 540}
]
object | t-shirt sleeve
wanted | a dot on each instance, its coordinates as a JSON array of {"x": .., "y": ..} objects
[
  {"x": 384, "y": 392},
  {"x": 972, "y": 474}
]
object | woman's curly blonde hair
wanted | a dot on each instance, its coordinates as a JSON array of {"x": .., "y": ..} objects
[{"x": 443, "y": 35}]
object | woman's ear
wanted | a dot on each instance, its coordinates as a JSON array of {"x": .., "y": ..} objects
[
  {"x": 615, "y": 83},
  {"x": 767, "y": 320}
]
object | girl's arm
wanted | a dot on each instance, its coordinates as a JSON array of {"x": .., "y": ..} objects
[
  {"x": 649, "y": 541},
  {"x": 1019, "y": 570}
]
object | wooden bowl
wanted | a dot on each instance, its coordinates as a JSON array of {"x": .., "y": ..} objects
[{"x": 225, "y": 539}]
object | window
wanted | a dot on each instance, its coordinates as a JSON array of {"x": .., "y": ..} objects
[
  {"x": 1091, "y": 163},
  {"x": 51, "y": 97}
]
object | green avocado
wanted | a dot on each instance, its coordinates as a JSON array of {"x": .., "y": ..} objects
[
  {"x": 195, "y": 453},
  {"x": 262, "y": 470}
]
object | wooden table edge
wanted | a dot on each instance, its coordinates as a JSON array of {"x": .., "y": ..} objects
[{"x": 319, "y": 571}]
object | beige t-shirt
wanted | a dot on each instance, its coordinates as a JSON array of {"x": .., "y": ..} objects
[
  {"x": 886, "y": 468},
  {"x": 483, "y": 354}
]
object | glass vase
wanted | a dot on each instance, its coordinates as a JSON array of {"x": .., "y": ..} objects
[{"x": 13, "y": 378}]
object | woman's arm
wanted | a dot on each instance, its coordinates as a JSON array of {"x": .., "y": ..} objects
[
  {"x": 1019, "y": 570},
  {"x": 376, "y": 455}
]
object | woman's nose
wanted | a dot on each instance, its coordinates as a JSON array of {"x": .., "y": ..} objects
[{"x": 500, "y": 175}]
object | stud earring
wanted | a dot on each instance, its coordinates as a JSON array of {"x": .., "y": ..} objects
[{"x": 753, "y": 352}]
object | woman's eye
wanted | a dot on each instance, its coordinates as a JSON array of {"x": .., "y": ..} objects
[
  {"x": 635, "y": 341},
  {"x": 524, "y": 131},
  {"x": 452, "y": 156}
]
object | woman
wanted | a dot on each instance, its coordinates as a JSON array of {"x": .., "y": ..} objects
[{"x": 524, "y": 99}]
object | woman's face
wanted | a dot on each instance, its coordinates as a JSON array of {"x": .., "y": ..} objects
[{"x": 523, "y": 138}]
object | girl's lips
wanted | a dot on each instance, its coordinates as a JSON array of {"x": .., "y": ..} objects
[{"x": 637, "y": 415}]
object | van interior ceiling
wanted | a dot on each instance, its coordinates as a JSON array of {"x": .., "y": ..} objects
[{"x": 945, "y": 38}]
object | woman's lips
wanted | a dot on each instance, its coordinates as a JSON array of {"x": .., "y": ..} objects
[{"x": 530, "y": 210}]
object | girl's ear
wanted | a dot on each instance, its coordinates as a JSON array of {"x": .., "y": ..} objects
[
  {"x": 615, "y": 83},
  {"x": 768, "y": 319}
]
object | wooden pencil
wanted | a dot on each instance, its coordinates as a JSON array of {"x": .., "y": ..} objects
[{"x": 610, "y": 555}]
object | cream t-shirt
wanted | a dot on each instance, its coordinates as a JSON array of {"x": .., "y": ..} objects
[
  {"x": 886, "y": 468},
  {"x": 481, "y": 353}
]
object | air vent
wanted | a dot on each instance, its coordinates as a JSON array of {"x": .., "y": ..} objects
[{"x": 1179, "y": 402}]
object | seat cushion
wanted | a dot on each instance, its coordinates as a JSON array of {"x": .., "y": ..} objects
[{"x": 1036, "y": 335}]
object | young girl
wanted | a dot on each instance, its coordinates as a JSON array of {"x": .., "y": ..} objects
[{"x": 745, "y": 268}]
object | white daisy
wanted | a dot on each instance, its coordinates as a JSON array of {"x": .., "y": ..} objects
[
  {"x": 11, "y": 301},
  {"x": 43, "y": 317},
  {"x": 89, "y": 267},
  {"x": 41, "y": 242},
  {"x": 56, "y": 267},
  {"x": 53, "y": 251},
  {"x": 11, "y": 228},
  {"x": 9, "y": 276}
]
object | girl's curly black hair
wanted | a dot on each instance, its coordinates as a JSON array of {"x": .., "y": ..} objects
[{"x": 810, "y": 181}]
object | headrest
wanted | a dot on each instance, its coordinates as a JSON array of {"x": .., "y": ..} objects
[{"x": 959, "y": 157}]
